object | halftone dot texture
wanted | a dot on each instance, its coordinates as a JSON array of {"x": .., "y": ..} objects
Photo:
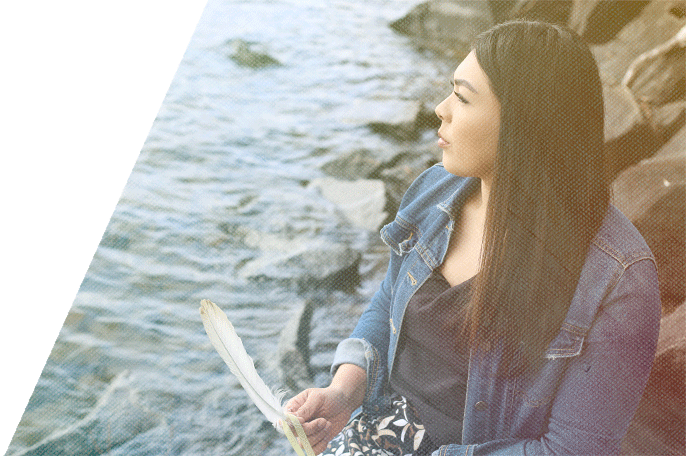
[{"x": 274, "y": 107}]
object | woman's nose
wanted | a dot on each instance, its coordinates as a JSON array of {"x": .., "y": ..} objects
[{"x": 440, "y": 109}]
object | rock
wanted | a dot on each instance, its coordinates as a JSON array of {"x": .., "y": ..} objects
[
  {"x": 652, "y": 194},
  {"x": 245, "y": 54},
  {"x": 648, "y": 107},
  {"x": 446, "y": 26},
  {"x": 658, "y": 76},
  {"x": 396, "y": 120},
  {"x": 667, "y": 120},
  {"x": 294, "y": 350},
  {"x": 362, "y": 201},
  {"x": 622, "y": 114},
  {"x": 556, "y": 12},
  {"x": 308, "y": 262},
  {"x": 659, "y": 425},
  {"x": 629, "y": 138},
  {"x": 598, "y": 21},
  {"x": 398, "y": 173},
  {"x": 115, "y": 419},
  {"x": 655, "y": 24},
  {"x": 359, "y": 164}
]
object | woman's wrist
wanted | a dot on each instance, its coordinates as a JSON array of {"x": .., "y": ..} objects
[{"x": 350, "y": 382}]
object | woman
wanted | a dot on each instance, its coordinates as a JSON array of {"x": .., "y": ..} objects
[{"x": 520, "y": 310}]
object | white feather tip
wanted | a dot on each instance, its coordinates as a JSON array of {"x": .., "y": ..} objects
[{"x": 229, "y": 346}]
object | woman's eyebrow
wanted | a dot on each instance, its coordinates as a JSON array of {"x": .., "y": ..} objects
[{"x": 463, "y": 82}]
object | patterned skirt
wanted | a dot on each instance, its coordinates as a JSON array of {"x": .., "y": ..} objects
[{"x": 397, "y": 434}]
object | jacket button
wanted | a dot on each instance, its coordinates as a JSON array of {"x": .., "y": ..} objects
[{"x": 480, "y": 406}]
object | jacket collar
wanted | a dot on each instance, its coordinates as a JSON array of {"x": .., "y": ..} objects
[{"x": 454, "y": 202}]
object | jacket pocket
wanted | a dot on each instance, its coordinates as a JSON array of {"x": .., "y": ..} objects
[
  {"x": 568, "y": 342},
  {"x": 538, "y": 389}
]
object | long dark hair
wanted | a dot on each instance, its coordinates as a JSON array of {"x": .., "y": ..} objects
[{"x": 550, "y": 190}]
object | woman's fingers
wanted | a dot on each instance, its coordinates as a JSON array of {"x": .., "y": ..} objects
[
  {"x": 306, "y": 405},
  {"x": 294, "y": 404},
  {"x": 319, "y": 437}
]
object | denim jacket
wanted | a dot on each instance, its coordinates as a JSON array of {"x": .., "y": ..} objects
[{"x": 582, "y": 400}]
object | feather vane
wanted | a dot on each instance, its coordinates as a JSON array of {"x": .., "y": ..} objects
[{"x": 230, "y": 347}]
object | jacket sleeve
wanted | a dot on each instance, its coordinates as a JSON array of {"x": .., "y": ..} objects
[
  {"x": 601, "y": 388},
  {"x": 369, "y": 343},
  {"x": 367, "y": 347}
]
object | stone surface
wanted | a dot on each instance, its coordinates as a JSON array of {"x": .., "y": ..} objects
[
  {"x": 361, "y": 201},
  {"x": 652, "y": 194},
  {"x": 658, "y": 76},
  {"x": 622, "y": 114},
  {"x": 311, "y": 263},
  {"x": 446, "y": 26},
  {"x": 599, "y": 21},
  {"x": 294, "y": 350},
  {"x": 659, "y": 425},
  {"x": 116, "y": 418},
  {"x": 556, "y": 12},
  {"x": 359, "y": 164},
  {"x": 654, "y": 25},
  {"x": 249, "y": 55}
]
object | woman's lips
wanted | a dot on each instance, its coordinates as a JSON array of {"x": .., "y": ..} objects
[{"x": 442, "y": 143}]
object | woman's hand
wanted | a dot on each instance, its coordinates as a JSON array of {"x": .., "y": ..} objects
[{"x": 323, "y": 412}]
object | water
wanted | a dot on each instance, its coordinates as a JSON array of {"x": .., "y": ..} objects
[{"x": 219, "y": 185}]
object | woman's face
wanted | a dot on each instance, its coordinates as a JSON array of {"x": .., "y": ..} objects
[{"x": 470, "y": 125}]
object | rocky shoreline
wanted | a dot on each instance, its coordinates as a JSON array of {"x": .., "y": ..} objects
[{"x": 641, "y": 50}]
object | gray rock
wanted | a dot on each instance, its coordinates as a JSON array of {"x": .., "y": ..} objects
[
  {"x": 399, "y": 172},
  {"x": 544, "y": 10},
  {"x": 246, "y": 54},
  {"x": 599, "y": 21},
  {"x": 116, "y": 418},
  {"x": 659, "y": 423},
  {"x": 655, "y": 25},
  {"x": 652, "y": 195},
  {"x": 294, "y": 350},
  {"x": 396, "y": 119},
  {"x": 309, "y": 262},
  {"x": 658, "y": 76},
  {"x": 446, "y": 26},
  {"x": 359, "y": 164},
  {"x": 667, "y": 120},
  {"x": 361, "y": 201},
  {"x": 622, "y": 113}
]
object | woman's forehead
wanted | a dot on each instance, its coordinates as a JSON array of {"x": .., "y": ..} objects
[{"x": 469, "y": 73}]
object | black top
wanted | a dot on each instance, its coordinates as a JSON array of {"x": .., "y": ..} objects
[{"x": 433, "y": 358}]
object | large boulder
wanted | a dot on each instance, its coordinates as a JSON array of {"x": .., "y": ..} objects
[
  {"x": 652, "y": 195},
  {"x": 556, "y": 12},
  {"x": 647, "y": 107},
  {"x": 598, "y": 21},
  {"x": 658, "y": 76},
  {"x": 309, "y": 263},
  {"x": 294, "y": 350},
  {"x": 654, "y": 25},
  {"x": 659, "y": 425},
  {"x": 446, "y": 26},
  {"x": 361, "y": 201}
]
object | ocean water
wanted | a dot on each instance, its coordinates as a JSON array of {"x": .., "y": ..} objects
[{"x": 219, "y": 186}]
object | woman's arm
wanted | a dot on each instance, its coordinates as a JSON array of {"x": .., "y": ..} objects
[
  {"x": 602, "y": 387},
  {"x": 325, "y": 411}
]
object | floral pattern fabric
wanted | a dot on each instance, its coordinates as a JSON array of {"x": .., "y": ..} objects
[{"x": 399, "y": 434}]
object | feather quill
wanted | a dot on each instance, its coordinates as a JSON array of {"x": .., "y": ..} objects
[{"x": 225, "y": 340}]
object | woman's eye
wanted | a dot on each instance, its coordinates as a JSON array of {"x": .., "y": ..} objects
[{"x": 461, "y": 98}]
